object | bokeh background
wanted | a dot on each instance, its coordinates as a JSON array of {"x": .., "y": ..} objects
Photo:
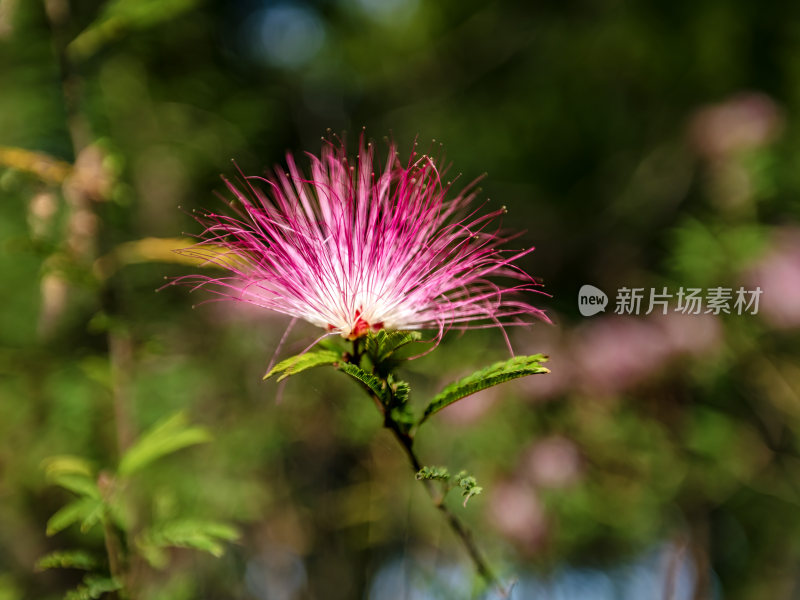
[{"x": 650, "y": 144}]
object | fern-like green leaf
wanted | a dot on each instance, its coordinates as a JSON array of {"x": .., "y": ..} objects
[
  {"x": 207, "y": 536},
  {"x": 401, "y": 412},
  {"x": 301, "y": 362},
  {"x": 380, "y": 345},
  {"x": 72, "y": 473},
  {"x": 519, "y": 366},
  {"x": 67, "y": 559},
  {"x": 66, "y": 464},
  {"x": 121, "y": 16},
  {"x": 401, "y": 392},
  {"x": 372, "y": 383},
  {"x": 469, "y": 486},
  {"x": 167, "y": 436},
  {"x": 93, "y": 587},
  {"x": 78, "y": 484},
  {"x": 72, "y": 513},
  {"x": 93, "y": 518},
  {"x": 433, "y": 473}
]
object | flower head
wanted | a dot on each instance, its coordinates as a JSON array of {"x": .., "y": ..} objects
[{"x": 353, "y": 247}]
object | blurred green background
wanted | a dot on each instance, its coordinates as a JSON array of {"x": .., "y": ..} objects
[{"x": 650, "y": 144}]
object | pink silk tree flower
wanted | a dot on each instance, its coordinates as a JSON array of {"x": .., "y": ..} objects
[{"x": 353, "y": 248}]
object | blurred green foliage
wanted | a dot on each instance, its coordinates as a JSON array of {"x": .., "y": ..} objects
[{"x": 652, "y": 144}]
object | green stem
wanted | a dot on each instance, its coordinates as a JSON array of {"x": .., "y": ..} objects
[
  {"x": 114, "y": 552},
  {"x": 461, "y": 531},
  {"x": 406, "y": 441},
  {"x": 80, "y": 133}
]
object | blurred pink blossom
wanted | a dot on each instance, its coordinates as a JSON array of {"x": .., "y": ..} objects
[
  {"x": 552, "y": 462},
  {"x": 54, "y": 291},
  {"x": 744, "y": 121},
  {"x": 613, "y": 353},
  {"x": 689, "y": 335},
  {"x": 42, "y": 208},
  {"x": 778, "y": 275},
  {"x": 518, "y": 514}
]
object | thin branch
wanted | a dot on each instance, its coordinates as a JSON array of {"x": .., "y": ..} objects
[
  {"x": 406, "y": 441},
  {"x": 114, "y": 553},
  {"x": 83, "y": 247},
  {"x": 461, "y": 531}
]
